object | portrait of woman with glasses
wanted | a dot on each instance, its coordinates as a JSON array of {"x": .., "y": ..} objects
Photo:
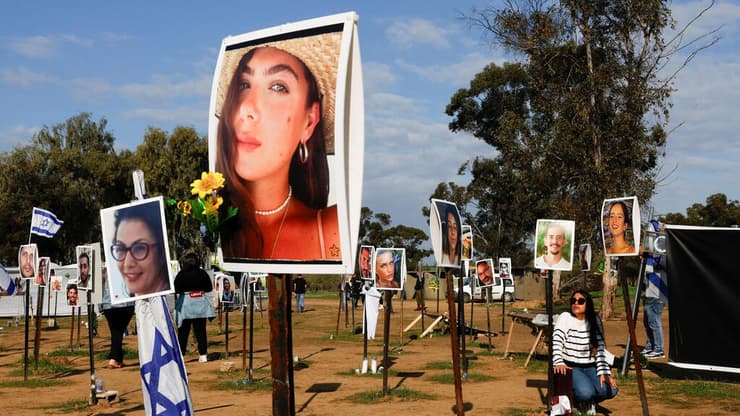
[{"x": 137, "y": 250}]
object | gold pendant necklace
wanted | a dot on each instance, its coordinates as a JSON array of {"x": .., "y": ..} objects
[{"x": 280, "y": 228}]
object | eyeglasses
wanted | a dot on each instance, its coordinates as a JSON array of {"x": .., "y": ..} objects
[
  {"x": 138, "y": 250},
  {"x": 579, "y": 301}
]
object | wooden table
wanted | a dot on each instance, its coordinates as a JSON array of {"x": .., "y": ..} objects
[{"x": 528, "y": 319}]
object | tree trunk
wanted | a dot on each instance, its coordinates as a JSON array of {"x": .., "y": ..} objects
[
  {"x": 610, "y": 289},
  {"x": 555, "y": 285}
]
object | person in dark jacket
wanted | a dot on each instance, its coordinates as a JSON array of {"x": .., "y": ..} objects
[{"x": 192, "y": 307}]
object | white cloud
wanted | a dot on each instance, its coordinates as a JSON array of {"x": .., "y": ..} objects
[
  {"x": 44, "y": 46},
  {"x": 116, "y": 37},
  {"x": 24, "y": 77},
  {"x": 18, "y": 135},
  {"x": 406, "y": 34},
  {"x": 463, "y": 70},
  {"x": 377, "y": 76},
  {"x": 164, "y": 88},
  {"x": 406, "y": 156},
  {"x": 181, "y": 115}
]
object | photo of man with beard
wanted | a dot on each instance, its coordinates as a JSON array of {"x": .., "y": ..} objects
[{"x": 555, "y": 244}]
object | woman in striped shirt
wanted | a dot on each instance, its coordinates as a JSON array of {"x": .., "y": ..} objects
[{"x": 578, "y": 344}]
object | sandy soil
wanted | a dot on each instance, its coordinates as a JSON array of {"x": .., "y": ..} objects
[{"x": 324, "y": 377}]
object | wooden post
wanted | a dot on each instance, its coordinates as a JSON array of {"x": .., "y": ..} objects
[
  {"x": 548, "y": 303},
  {"x": 339, "y": 315},
  {"x": 386, "y": 335},
  {"x": 226, "y": 331},
  {"x": 503, "y": 306},
  {"x": 37, "y": 335},
  {"x": 281, "y": 345},
  {"x": 79, "y": 321},
  {"x": 72, "y": 330},
  {"x": 91, "y": 348},
  {"x": 488, "y": 317},
  {"x": 633, "y": 342},
  {"x": 244, "y": 338},
  {"x": 251, "y": 335},
  {"x": 454, "y": 336},
  {"x": 25, "y": 349}
]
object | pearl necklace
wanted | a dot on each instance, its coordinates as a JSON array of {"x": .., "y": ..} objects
[{"x": 279, "y": 208}]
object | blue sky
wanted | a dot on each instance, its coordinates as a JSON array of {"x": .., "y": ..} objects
[{"x": 143, "y": 63}]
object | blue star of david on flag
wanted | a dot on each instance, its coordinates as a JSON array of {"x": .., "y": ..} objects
[
  {"x": 44, "y": 223},
  {"x": 163, "y": 377}
]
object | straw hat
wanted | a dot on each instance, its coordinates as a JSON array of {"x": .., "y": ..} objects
[{"x": 320, "y": 53}]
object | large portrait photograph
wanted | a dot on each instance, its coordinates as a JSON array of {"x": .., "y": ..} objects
[
  {"x": 27, "y": 255},
  {"x": 620, "y": 226},
  {"x": 445, "y": 231},
  {"x": 554, "y": 244},
  {"x": 276, "y": 136},
  {"x": 389, "y": 266},
  {"x": 137, "y": 253}
]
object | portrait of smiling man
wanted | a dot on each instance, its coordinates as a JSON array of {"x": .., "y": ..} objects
[{"x": 555, "y": 242}]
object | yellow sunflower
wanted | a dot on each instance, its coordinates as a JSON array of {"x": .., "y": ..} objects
[{"x": 208, "y": 182}]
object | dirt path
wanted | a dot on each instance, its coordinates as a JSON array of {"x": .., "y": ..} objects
[{"x": 325, "y": 377}]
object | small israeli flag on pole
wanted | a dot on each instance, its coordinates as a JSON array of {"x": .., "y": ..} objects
[{"x": 45, "y": 223}]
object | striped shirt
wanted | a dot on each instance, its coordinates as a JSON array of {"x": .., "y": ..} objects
[{"x": 570, "y": 342}]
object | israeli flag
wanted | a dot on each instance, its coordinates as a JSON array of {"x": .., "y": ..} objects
[
  {"x": 6, "y": 282},
  {"x": 44, "y": 223},
  {"x": 164, "y": 381}
]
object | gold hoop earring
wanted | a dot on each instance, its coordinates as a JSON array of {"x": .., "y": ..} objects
[{"x": 303, "y": 152}]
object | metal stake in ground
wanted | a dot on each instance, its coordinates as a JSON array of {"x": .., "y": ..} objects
[{"x": 281, "y": 345}]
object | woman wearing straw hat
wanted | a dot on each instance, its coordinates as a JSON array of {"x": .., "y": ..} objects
[{"x": 272, "y": 153}]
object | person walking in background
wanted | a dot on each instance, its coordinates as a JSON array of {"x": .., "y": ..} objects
[
  {"x": 118, "y": 317},
  {"x": 192, "y": 307},
  {"x": 419, "y": 292},
  {"x": 299, "y": 288},
  {"x": 655, "y": 298}
]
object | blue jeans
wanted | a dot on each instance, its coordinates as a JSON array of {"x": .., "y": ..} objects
[
  {"x": 586, "y": 386},
  {"x": 300, "y": 301},
  {"x": 653, "y": 312}
]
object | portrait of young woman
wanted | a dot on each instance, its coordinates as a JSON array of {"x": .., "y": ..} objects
[
  {"x": 446, "y": 231},
  {"x": 275, "y": 110},
  {"x": 620, "y": 224}
]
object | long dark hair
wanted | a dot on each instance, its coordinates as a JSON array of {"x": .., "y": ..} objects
[
  {"x": 144, "y": 213},
  {"x": 310, "y": 180},
  {"x": 595, "y": 331}
]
